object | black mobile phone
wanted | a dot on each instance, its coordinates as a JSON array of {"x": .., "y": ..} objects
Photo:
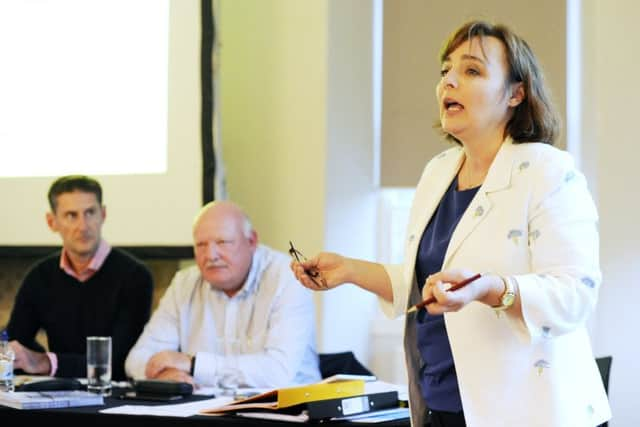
[
  {"x": 51, "y": 384},
  {"x": 134, "y": 395}
]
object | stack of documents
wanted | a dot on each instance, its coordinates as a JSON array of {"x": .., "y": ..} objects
[
  {"x": 319, "y": 401},
  {"x": 292, "y": 396},
  {"x": 49, "y": 399}
]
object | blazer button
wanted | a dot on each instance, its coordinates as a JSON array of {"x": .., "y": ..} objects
[{"x": 479, "y": 211}]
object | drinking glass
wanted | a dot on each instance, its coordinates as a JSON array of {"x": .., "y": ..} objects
[{"x": 99, "y": 365}]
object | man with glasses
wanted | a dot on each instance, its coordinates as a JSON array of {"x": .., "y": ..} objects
[
  {"x": 87, "y": 288},
  {"x": 238, "y": 318}
]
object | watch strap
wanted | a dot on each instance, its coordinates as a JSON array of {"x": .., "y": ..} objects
[
  {"x": 508, "y": 296},
  {"x": 192, "y": 370}
]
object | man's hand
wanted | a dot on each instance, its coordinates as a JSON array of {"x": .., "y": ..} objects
[
  {"x": 31, "y": 362},
  {"x": 167, "y": 360},
  {"x": 173, "y": 374}
]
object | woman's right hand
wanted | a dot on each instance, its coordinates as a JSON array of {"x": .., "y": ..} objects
[
  {"x": 330, "y": 270},
  {"x": 333, "y": 270}
]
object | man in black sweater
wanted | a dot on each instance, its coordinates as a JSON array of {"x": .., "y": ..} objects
[{"x": 88, "y": 288}]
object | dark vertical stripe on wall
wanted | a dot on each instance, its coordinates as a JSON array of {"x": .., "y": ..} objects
[{"x": 206, "y": 121}]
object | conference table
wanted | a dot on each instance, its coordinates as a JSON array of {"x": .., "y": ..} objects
[{"x": 91, "y": 416}]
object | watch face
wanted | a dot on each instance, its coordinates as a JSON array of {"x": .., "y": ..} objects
[{"x": 508, "y": 299}]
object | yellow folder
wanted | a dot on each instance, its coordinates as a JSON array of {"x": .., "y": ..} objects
[
  {"x": 320, "y": 391},
  {"x": 291, "y": 396}
]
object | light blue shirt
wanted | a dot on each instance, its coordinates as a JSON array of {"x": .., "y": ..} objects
[{"x": 262, "y": 337}]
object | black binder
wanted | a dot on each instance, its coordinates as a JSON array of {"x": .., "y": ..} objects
[{"x": 342, "y": 407}]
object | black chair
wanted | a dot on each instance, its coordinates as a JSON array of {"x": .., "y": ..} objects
[
  {"x": 604, "y": 366},
  {"x": 341, "y": 363}
]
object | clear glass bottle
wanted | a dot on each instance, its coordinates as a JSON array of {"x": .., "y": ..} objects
[{"x": 6, "y": 363}]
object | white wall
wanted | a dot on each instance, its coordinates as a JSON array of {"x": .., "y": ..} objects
[
  {"x": 273, "y": 115},
  {"x": 296, "y": 121},
  {"x": 350, "y": 192},
  {"x": 612, "y": 38}
]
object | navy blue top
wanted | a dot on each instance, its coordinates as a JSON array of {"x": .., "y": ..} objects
[{"x": 438, "y": 380}]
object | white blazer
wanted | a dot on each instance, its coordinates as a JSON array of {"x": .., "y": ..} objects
[{"x": 533, "y": 220}]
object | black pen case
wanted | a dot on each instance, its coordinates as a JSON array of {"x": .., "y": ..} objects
[{"x": 162, "y": 387}]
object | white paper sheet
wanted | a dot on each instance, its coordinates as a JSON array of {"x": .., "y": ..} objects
[
  {"x": 378, "y": 416},
  {"x": 239, "y": 393},
  {"x": 174, "y": 410},
  {"x": 292, "y": 418}
]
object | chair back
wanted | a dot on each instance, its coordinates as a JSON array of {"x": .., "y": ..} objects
[
  {"x": 604, "y": 366},
  {"x": 341, "y": 363}
]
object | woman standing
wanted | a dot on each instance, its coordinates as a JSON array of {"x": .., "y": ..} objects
[{"x": 510, "y": 348}]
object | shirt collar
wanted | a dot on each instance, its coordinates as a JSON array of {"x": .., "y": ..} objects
[
  {"x": 94, "y": 265},
  {"x": 251, "y": 283}
]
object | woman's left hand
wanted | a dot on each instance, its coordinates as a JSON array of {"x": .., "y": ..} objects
[{"x": 438, "y": 285}]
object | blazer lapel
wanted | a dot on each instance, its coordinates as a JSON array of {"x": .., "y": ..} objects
[
  {"x": 498, "y": 179},
  {"x": 428, "y": 196}
]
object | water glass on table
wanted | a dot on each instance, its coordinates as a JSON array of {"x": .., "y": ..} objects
[
  {"x": 228, "y": 378},
  {"x": 99, "y": 365}
]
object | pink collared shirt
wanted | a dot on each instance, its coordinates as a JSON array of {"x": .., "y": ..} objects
[{"x": 94, "y": 265}]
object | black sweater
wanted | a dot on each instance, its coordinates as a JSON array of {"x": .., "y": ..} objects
[{"x": 115, "y": 301}]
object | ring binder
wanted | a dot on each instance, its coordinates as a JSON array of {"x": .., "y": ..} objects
[{"x": 332, "y": 408}]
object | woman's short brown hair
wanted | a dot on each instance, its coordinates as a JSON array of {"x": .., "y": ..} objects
[{"x": 535, "y": 119}]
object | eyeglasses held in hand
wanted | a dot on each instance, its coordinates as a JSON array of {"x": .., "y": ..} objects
[{"x": 314, "y": 275}]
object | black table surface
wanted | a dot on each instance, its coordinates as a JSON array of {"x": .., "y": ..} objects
[{"x": 90, "y": 416}]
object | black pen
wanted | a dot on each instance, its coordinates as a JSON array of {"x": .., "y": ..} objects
[{"x": 431, "y": 300}]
